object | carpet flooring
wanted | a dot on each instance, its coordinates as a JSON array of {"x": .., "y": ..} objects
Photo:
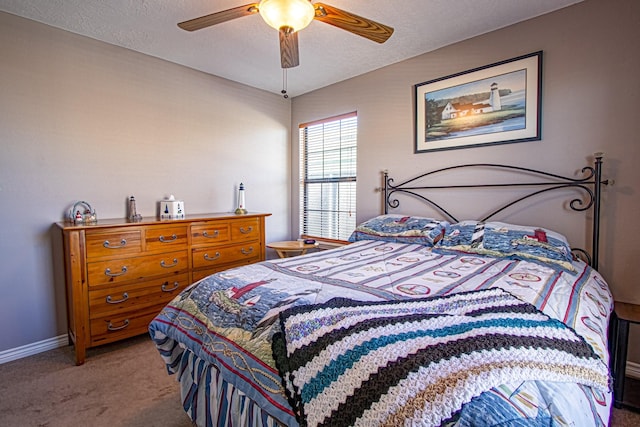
[
  {"x": 123, "y": 384},
  {"x": 120, "y": 385}
]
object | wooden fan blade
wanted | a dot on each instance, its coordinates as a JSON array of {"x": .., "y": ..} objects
[
  {"x": 289, "y": 55},
  {"x": 219, "y": 17},
  {"x": 353, "y": 23}
]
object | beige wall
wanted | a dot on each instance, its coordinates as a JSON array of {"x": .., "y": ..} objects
[
  {"x": 84, "y": 120},
  {"x": 589, "y": 102}
]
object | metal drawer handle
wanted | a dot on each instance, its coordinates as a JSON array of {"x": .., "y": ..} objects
[
  {"x": 117, "y": 328},
  {"x": 215, "y": 234},
  {"x": 166, "y": 289},
  {"x": 108, "y": 272},
  {"x": 246, "y": 231},
  {"x": 247, "y": 252},
  {"x": 163, "y": 240},
  {"x": 215, "y": 257},
  {"x": 122, "y": 244},
  {"x": 175, "y": 262},
  {"x": 125, "y": 296}
]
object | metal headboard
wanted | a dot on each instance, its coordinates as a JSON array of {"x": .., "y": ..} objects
[{"x": 590, "y": 184}]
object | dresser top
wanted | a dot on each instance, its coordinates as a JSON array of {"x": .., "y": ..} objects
[{"x": 151, "y": 220}]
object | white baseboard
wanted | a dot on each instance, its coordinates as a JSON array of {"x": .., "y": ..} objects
[
  {"x": 633, "y": 370},
  {"x": 33, "y": 348}
]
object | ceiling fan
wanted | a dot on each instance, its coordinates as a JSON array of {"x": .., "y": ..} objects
[{"x": 289, "y": 17}]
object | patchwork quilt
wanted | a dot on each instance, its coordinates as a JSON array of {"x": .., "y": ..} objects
[{"x": 228, "y": 320}]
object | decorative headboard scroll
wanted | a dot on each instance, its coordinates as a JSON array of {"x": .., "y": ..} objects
[{"x": 590, "y": 184}]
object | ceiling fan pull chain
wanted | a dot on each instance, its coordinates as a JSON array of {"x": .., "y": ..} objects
[{"x": 284, "y": 84}]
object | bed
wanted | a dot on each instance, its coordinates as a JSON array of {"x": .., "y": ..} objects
[{"x": 419, "y": 321}]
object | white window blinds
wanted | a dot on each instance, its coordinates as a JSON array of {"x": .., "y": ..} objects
[{"x": 328, "y": 150}]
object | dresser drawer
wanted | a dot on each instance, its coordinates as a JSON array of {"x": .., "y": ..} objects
[
  {"x": 166, "y": 238},
  {"x": 214, "y": 256},
  {"x": 114, "y": 243},
  {"x": 246, "y": 229},
  {"x": 210, "y": 233},
  {"x": 123, "y": 325},
  {"x": 118, "y": 299},
  {"x": 130, "y": 269},
  {"x": 201, "y": 274}
]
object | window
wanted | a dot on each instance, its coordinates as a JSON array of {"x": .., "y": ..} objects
[{"x": 328, "y": 150}]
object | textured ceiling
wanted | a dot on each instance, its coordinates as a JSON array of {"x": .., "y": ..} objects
[{"x": 246, "y": 50}]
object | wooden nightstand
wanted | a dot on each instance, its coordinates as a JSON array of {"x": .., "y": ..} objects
[
  {"x": 624, "y": 313},
  {"x": 291, "y": 248}
]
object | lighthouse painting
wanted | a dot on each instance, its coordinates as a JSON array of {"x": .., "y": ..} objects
[{"x": 498, "y": 103}]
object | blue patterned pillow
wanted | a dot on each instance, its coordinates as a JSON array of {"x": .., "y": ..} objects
[
  {"x": 528, "y": 241},
  {"x": 401, "y": 229},
  {"x": 508, "y": 240},
  {"x": 464, "y": 233}
]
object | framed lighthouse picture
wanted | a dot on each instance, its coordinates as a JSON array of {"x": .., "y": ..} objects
[{"x": 495, "y": 104}]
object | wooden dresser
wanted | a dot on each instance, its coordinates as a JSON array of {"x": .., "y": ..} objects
[{"x": 120, "y": 274}]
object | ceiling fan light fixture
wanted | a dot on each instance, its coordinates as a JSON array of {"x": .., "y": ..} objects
[{"x": 295, "y": 14}]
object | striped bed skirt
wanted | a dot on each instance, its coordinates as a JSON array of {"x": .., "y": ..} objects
[{"x": 209, "y": 400}]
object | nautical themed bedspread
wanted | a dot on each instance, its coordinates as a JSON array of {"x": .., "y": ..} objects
[{"x": 229, "y": 319}]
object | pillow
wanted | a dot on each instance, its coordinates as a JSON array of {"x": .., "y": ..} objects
[
  {"x": 508, "y": 240},
  {"x": 463, "y": 233},
  {"x": 401, "y": 229}
]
